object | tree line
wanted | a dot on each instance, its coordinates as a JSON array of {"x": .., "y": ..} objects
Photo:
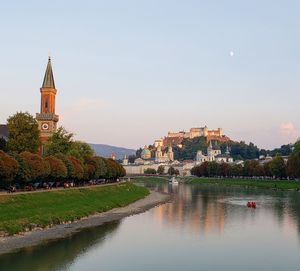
[
  {"x": 64, "y": 159},
  {"x": 275, "y": 168}
]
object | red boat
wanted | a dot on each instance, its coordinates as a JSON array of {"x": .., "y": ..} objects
[{"x": 251, "y": 204}]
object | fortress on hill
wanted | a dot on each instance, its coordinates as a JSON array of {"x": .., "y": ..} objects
[
  {"x": 196, "y": 132},
  {"x": 176, "y": 138}
]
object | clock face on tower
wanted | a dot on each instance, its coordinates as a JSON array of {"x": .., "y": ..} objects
[{"x": 45, "y": 126}]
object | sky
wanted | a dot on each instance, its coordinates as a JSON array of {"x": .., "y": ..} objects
[{"x": 127, "y": 72}]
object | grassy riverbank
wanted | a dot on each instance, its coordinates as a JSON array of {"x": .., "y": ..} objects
[
  {"x": 267, "y": 184},
  {"x": 18, "y": 212},
  {"x": 150, "y": 179}
]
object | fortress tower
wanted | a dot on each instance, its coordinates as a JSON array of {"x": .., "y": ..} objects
[{"x": 47, "y": 119}]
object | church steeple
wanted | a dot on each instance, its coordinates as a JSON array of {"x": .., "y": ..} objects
[{"x": 48, "y": 78}]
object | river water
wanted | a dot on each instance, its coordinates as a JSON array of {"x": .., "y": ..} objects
[{"x": 206, "y": 227}]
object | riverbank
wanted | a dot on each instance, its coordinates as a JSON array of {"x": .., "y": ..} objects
[
  {"x": 266, "y": 184},
  {"x": 23, "y": 212},
  {"x": 38, "y": 235}
]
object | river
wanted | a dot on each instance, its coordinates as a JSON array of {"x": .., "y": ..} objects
[{"x": 205, "y": 227}]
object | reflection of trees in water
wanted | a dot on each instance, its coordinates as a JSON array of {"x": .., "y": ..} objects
[
  {"x": 57, "y": 254},
  {"x": 205, "y": 208}
]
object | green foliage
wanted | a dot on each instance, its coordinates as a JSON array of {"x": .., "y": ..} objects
[
  {"x": 81, "y": 150},
  {"x": 265, "y": 184},
  {"x": 277, "y": 167},
  {"x": 17, "y": 212},
  {"x": 189, "y": 148},
  {"x": 68, "y": 164},
  {"x": 60, "y": 142},
  {"x": 23, "y": 175},
  {"x": 149, "y": 171},
  {"x": 78, "y": 172},
  {"x": 23, "y": 133},
  {"x": 293, "y": 166},
  {"x": 296, "y": 150}
]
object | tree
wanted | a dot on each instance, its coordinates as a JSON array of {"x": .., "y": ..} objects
[
  {"x": 277, "y": 167},
  {"x": 24, "y": 133},
  {"x": 3, "y": 144},
  {"x": 39, "y": 169},
  {"x": 81, "y": 150},
  {"x": 293, "y": 166},
  {"x": 161, "y": 170},
  {"x": 149, "y": 171},
  {"x": 58, "y": 169},
  {"x": 173, "y": 171},
  {"x": 23, "y": 174},
  {"x": 8, "y": 168},
  {"x": 213, "y": 168},
  {"x": 60, "y": 142},
  {"x": 78, "y": 173},
  {"x": 225, "y": 170},
  {"x": 296, "y": 150},
  {"x": 68, "y": 164},
  {"x": 96, "y": 167},
  {"x": 131, "y": 159}
]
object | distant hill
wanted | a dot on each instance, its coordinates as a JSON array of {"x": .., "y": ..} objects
[{"x": 106, "y": 151}]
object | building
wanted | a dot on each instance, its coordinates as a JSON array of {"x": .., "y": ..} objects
[
  {"x": 47, "y": 119},
  {"x": 146, "y": 153},
  {"x": 4, "y": 131},
  {"x": 214, "y": 154},
  {"x": 196, "y": 132},
  {"x": 163, "y": 157}
]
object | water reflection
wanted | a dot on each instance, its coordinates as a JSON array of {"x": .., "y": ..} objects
[
  {"x": 205, "y": 227},
  {"x": 59, "y": 254},
  {"x": 207, "y": 208}
]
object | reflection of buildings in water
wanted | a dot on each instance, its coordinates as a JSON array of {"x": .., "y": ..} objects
[
  {"x": 196, "y": 211},
  {"x": 59, "y": 254}
]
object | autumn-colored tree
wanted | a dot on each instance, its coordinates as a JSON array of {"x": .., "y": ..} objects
[
  {"x": 78, "y": 169},
  {"x": 24, "y": 133},
  {"x": 68, "y": 164},
  {"x": 58, "y": 169},
  {"x": 97, "y": 167},
  {"x": 8, "y": 168},
  {"x": 39, "y": 168}
]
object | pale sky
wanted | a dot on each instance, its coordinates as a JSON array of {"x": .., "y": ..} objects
[{"x": 127, "y": 72}]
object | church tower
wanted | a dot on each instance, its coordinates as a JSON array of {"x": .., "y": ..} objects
[{"x": 47, "y": 119}]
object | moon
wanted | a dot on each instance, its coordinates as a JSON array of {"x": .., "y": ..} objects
[{"x": 231, "y": 53}]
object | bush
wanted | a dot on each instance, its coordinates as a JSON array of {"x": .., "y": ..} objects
[{"x": 149, "y": 171}]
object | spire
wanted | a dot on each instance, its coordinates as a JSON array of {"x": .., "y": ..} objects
[{"x": 48, "y": 79}]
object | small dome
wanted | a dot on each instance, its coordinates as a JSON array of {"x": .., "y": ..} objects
[{"x": 146, "y": 154}]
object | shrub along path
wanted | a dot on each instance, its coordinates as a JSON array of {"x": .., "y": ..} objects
[{"x": 24, "y": 211}]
